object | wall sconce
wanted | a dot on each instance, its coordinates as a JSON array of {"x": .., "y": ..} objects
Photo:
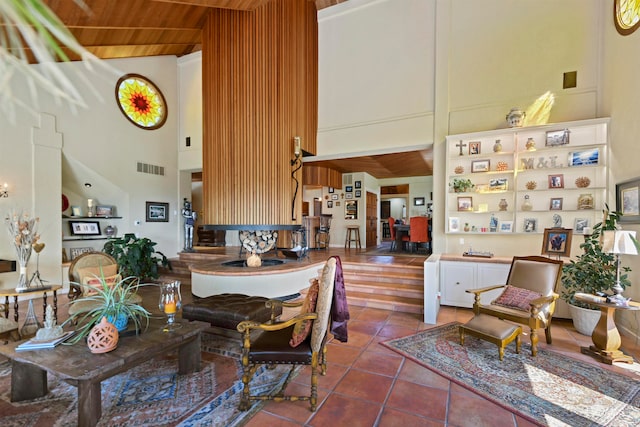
[
  {"x": 296, "y": 163},
  {"x": 4, "y": 190}
]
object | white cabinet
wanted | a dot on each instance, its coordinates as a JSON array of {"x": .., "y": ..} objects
[
  {"x": 560, "y": 168},
  {"x": 458, "y": 276}
]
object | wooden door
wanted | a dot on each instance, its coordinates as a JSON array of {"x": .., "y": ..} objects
[{"x": 372, "y": 220}]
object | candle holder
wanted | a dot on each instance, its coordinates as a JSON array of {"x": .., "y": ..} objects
[{"x": 170, "y": 303}]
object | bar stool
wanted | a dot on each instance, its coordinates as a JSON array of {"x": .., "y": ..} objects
[
  {"x": 353, "y": 235},
  {"x": 386, "y": 231}
]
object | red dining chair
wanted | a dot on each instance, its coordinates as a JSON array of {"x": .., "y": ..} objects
[{"x": 418, "y": 231}]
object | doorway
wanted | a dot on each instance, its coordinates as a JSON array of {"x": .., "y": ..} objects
[{"x": 372, "y": 220}]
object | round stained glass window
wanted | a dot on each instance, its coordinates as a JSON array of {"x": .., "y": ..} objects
[
  {"x": 141, "y": 101},
  {"x": 626, "y": 15}
]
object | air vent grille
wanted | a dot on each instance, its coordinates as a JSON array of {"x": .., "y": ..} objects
[
  {"x": 347, "y": 179},
  {"x": 150, "y": 169}
]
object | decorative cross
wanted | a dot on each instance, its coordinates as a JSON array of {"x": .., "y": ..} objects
[{"x": 461, "y": 145}]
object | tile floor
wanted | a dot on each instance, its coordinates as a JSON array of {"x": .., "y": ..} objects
[{"x": 370, "y": 385}]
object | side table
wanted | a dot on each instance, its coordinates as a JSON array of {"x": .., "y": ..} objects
[
  {"x": 606, "y": 338},
  {"x": 6, "y": 293}
]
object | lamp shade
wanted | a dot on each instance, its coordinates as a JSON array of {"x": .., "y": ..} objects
[{"x": 619, "y": 242}]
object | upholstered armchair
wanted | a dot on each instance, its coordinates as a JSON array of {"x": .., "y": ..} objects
[
  {"x": 285, "y": 342},
  {"x": 529, "y": 296},
  {"x": 86, "y": 267}
]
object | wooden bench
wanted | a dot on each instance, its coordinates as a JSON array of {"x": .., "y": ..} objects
[{"x": 492, "y": 329}]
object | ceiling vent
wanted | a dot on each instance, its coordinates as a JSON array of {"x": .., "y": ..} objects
[
  {"x": 150, "y": 169},
  {"x": 347, "y": 179}
]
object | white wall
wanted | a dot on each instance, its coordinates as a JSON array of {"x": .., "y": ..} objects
[{"x": 107, "y": 146}]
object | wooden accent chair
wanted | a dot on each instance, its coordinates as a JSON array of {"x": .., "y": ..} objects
[
  {"x": 418, "y": 231},
  {"x": 89, "y": 265},
  {"x": 529, "y": 298},
  {"x": 273, "y": 345}
]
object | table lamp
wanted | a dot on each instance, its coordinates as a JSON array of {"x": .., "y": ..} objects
[{"x": 619, "y": 242}]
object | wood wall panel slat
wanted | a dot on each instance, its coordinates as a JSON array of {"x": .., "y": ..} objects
[{"x": 255, "y": 100}]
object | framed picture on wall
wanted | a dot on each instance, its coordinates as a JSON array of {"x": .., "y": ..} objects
[
  {"x": 348, "y": 189},
  {"x": 357, "y": 184},
  {"x": 557, "y": 241},
  {"x": 329, "y": 204},
  {"x": 157, "y": 212},
  {"x": 418, "y": 201},
  {"x": 627, "y": 201},
  {"x": 358, "y": 193}
]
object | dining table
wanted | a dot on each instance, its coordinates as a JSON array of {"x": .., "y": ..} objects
[{"x": 401, "y": 230}]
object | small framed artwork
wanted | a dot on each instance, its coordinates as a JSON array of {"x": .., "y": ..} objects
[
  {"x": 157, "y": 212},
  {"x": 348, "y": 189},
  {"x": 351, "y": 210},
  {"x": 557, "y": 241},
  {"x": 480, "y": 166},
  {"x": 348, "y": 196},
  {"x": 454, "y": 224},
  {"x": 530, "y": 225},
  {"x": 627, "y": 201},
  {"x": 76, "y": 252},
  {"x": 555, "y": 204},
  {"x": 104, "y": 210},
  {"x": 498, "y": 184},
  {"x": 358, "y": 193},
  {"x": 556, "y": 181},
  {"x": 329, "y": 204},
  {"x": 506, "y": 227},
  {"x": 584, "y": 158},
  {"x": 580, "y": 225},
  {"x": 465, "y": 203},
  {"x": 357, "y": 184},
  {"x": 334, "y": 197},
  {"x": 76, "y": 211},
  {"x": 474, "y": 147},
  {"x": 85, "y": 228},
  {"x": 418, "y": 201},
  {"x": 331, "y": 190},
  {"x": 557, "y": 137}
]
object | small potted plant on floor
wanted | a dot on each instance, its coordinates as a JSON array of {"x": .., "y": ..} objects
[
  {"x": 117, "y": 301},
  {"x": 136, "y": 257},
  {"x": 592, "y": 272}
]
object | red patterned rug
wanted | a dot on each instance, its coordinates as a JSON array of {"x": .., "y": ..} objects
[
  {"x": 550, "y": 389},
  {"x": 152, "y": 394}
]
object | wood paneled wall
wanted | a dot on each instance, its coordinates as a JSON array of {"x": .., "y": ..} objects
[
  {"x": 260, "y": 80},
  {"x": 321, "y": 176}
]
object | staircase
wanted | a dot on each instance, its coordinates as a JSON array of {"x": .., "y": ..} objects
[{"x": 383, "y": 286}]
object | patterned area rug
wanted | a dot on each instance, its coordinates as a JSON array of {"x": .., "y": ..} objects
[
  {"x": 549, "y": 389},
  {"x": 152, "y": 394}
]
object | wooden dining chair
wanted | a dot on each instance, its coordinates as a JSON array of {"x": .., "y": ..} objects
[{"x": 419, "y": 232}]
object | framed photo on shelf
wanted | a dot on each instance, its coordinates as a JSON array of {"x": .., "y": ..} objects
[
  {"x": 465, "y": 203},
  {"x": 76, "y": 252},
  {"x": 85, "y": 228},
  {"x": 557, "y": 241},
  {"x": 157, "y": 212},
  {"x": 104, "y": 210},
  {"x": 454, "y": 224},
  {"x": 557, "y": 137},
  {"x": 480, "y": 165},
  {"x": 418, "y": 201},
  {"x": 474, "y": 147},
  {"x": 498, "y": 184},
  {"x": 584, "y": 158},
  {"x": 530, "y": 225},
  {"x": 556, "y": 181},
  {"x": 357, "y": 184},
  {"x": 555, "y": 204},
  {"x": 627, "y": 196},
  {"x": 358, "y": 193},
  {"x": 580, "y": 225},
  {"x": 76, "y": 211},
  {"x": 506, "y": 227}
]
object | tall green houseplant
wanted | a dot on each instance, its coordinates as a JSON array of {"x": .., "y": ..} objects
[
  {"x": 136, "y": 257},
  {"x": 593, "y": 271}
]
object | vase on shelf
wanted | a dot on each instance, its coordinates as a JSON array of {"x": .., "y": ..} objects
[
  {"x": 526, "y": 205},
  {"x": 503, "y": 205},
  {"x": 497, "y": 147},
  {"x": 530, "y": 145}
]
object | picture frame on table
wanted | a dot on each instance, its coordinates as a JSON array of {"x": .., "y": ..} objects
[
  {"x": 76, "y": 252},
  {"x": 454, "y": 224},
  {"x": 555, "y": 138},
  {"x": 465, "y": 203},
  {"x": 480, "y": 166},
  {"x": 418, "y": 201},
  {"x": 556, "y": 181},
  {"x": 584, "y": 157},
  {"x": 557, "y": 241},
  {"x": 157, "y": 212},
  {"x": 357, "y": 184},
  {"x": 555, "y": 204},
  {"x": 84, "y": 228},
  {"x": 627, "y": 201},
  {"x": 104, "y": 211}
]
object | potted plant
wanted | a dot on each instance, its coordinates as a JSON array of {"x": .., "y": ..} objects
[
  {"x": 461, "y": 185},
  {"x": 593, "y": 272},
  {"x": 117, "y": 301},
  {"x": 136, "y": 257}
]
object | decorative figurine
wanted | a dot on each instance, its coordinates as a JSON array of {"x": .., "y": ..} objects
[
  {"x": 189, "y": 220},
  {"x": 51, "y": 330}
]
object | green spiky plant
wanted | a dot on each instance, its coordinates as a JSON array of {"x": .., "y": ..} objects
[{"x": 594, "y": 271}]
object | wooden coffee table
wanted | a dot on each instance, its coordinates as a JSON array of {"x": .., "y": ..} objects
[{"x": 76, "y": 365}]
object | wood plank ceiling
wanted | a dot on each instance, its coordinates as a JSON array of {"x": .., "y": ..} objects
[{"x": 137, "y": 28}]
